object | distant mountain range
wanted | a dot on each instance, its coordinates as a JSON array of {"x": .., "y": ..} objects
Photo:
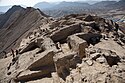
[
  {"x": 64, "y": 8},
  {"x": 98, "y": 5},
  {"x": 118, "y": 5},
  {"x": 103, "y": 4},
  {"x": 44, "y": 5}
]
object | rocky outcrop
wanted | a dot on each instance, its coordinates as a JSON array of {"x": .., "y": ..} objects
[
  {"x": 63, "y": 63},
  {"x": 105, "y": 56},
  {"x": 90, "y": 38},
  {"x": 63, "y": 33},
  {"x": 72, "y": 49},
  {"x": 31, "y": 75},
  {"x": 77, "y": 45},
  {"x": 44, "y": 60}
]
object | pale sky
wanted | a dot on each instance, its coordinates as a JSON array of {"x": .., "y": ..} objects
[{"x": 31, "y": 2}]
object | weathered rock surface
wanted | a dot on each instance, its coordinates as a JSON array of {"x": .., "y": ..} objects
[
  {"x": 31, "y": 75},
  {"x": 72, "y": 49},
  {"x": 63, "y": 33},
  {"x": 78, "y": 45},
  {"x": 44, "y": 60},
  {"x": 63, "y": 63}
]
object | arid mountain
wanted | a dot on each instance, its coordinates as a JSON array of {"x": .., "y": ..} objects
[
  {"x": 44, "y": 5},
  {"x": 118, "y": 5},
  {"x": 103, "y": 4},
  {"x": 65, "y": 4},
  {"x": 66, "y": 8},
  {"x": 61, "y": 5},
  {"x": 62, "y": 8},
  {"x": 77, "y": 48},
  {"x": 15, "y": 24}
]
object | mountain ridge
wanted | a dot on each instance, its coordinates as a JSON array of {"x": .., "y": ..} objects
[
  {"x": 20, "y": 20},
  {"x": 65, "y": 8}
]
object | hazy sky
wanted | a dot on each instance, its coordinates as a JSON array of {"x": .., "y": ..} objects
[{"x": 31, "y": 2}]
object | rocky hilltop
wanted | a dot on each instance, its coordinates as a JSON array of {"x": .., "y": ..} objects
[{"x": 77, "y": 48}]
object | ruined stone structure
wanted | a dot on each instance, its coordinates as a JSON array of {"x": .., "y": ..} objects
[{"x": 71, "y": 49}]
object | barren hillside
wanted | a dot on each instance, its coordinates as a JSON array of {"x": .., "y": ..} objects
[{"x": 16, "y": 23}]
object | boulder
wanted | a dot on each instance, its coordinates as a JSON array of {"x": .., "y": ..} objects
[
  {"x": 86, "y": 29},
  {"x": 91, "y": 38},
  {"x": 32, "y": 75},
  {"x": 39, "y": 41},
  {"x": 64, "y": 62},
  {"x": 77, "y": 45},
  {"x": 93, "y": 24},
  {"x": 63, "y": 33},
  {"x": 89, "y": 18},
  {"x": 43, "y": 61},
  {"x": 112, "y": 60},
  {"x": 89, "y": 62},
  {"x": 29, "y": 47},
  {"x": 95, "y": 56},
  {"x": 48, "y": 44},
  {"x": 101, "y": 60},
  {"x": 54, "y": 24}
]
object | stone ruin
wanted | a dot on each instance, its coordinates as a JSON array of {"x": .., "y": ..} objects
[{"x": 62, "y": 48}]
